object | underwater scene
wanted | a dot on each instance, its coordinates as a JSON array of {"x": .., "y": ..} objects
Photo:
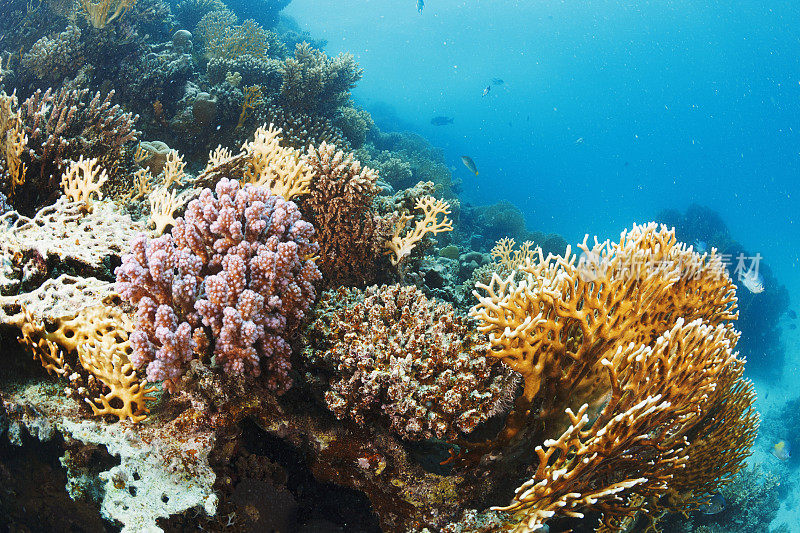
[{"x": 399, "y": 266}]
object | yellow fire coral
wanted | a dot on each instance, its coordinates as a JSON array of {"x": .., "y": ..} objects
[
  {"x": 431, "y": 209},
  {"x": 82, "y": 179},
  {"x": 284, "y": 170},
  {"x": 13, "y": 140},
  {"x": 163, "y": 205},
  {"x": 640, "y": 332},
  {"x": 505, "y": 253},
  {"x": 102, "y": 12},
  {"x": 99, "y": 336}
]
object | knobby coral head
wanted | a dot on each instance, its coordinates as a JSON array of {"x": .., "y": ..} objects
[{"x": 232, "y": 279}]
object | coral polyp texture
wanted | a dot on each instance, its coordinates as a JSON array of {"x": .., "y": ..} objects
[
  {"x": 234, "y": 277},
  {"x": 340, "y": 205},
  {"x": 411, "y": 362},
  {"x": 640, "y": 332}
]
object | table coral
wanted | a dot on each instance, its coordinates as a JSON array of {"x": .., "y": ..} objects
[
  {"x": 237, "y": 271},
  {"x": 409, "y": 361}
]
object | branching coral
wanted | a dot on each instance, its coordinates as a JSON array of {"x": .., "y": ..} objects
[
  {"x": 431, "y": 208},
  {"x": 300, "y": 130},
  {"x": 83, "y": 179},
  {"x": 224, "y": 39},
  {"x": 316, "y": 84},
  {"x": 340, "y": 206},
  {"x": 281, "y": 169},
  {"x": 61, "y": 126},
  {"x": 13, "y": 142},
  {"x": 642, "y": 329},
  {"x": 100, "y": 13},
  {"x": 505, "y": 253},
  {"x": 406, "y": 360},
  {"x": 234, "y": 276}
]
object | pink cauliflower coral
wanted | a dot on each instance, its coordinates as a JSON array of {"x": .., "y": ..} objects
[{"x": 236, "y": 274}]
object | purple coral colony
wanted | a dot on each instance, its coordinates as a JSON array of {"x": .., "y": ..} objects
[{"x": 229, "y": 302}]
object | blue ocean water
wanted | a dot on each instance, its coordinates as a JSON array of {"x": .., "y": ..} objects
[{"x": 609, "y": 111}]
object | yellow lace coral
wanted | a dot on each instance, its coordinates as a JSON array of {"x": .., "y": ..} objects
[
  {"x": 82, "y": 179},
  {"x": 638, "y": 331},
  {"x": 47, "y": 352},
  {"x": 505, "y": 253},
  {"x": 284, "y": 170},
  {"x": 431, "y": 209},
  {"x": 101, "y": 12},
  {"x": 99, "y": 336}
]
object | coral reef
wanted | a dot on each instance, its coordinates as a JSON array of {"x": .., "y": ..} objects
[
  {"x": 606, "y": 385},
  {"x": 238, "y": 266},
  {"x": 411, "y": 362},
  {"x": 315, "y": 84}
]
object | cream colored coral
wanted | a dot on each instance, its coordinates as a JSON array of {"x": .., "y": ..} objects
[
  {"x": 142, "y": 183},
  {"x": 283, "y": 170},
  {"x": 173, "y": 169},
  {"x": 82, "y": 179},
  {"x": 431, "y": 209},
  {"x": 162, "y": 208},
  {"x": 218, "y": 156},
  {"x": 13, "y": 141},
  {"x": 506, "y": 255}
]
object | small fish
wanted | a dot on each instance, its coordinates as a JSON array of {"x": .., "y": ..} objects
[
  {"x": 700, "y": 247},
  {"x": 579, "y": 140},
  {"x": 715, "y": 505},
  {"x": 791, "y": 314},
  {"x": 753, "y": 281},
  {"x": 497, "y": 81},
  {"x": 441, "y": 121},
  {"x": 470, "y": 164},
  {"x": 486, "y": 90},
  {"x": 782, "y": 450},
  {"x": 420, "y": 5}
]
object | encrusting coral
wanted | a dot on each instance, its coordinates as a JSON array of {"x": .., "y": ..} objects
[
  {"x": 639, "y": 330},
  {"x": 407, "y": 360},
  {"x": 234, "y": 276}
]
